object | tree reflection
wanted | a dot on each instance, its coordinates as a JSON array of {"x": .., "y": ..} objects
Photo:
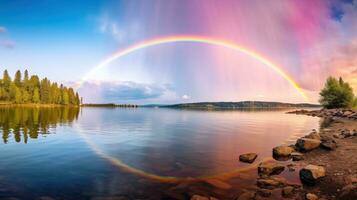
[{"x": 29, "y": 122}]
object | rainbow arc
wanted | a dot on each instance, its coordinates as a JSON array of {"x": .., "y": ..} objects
[{"x": 195, "y": 39}]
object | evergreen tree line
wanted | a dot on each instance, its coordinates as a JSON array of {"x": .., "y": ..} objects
[{"x": 33, "y": 90}]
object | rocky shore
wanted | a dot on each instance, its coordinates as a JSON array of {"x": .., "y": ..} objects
[{"x": 326, "y": 162}]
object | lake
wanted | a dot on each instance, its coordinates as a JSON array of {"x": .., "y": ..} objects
[{"x": 142, "y": 153}]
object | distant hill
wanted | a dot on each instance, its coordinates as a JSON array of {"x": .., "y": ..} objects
[{"x": 238, "y": 105}]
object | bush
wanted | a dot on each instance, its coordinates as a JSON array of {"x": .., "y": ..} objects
[{"x": 337, "y": 94}]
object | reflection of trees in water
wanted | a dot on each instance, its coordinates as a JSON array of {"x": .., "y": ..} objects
[{"x": 30, "y": 122}]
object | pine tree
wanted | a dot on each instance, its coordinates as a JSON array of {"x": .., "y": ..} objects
[
  {"x": 26, "y": 75},
  {"x": 17, "y": 80},
  {"x": 32, "y": 90},
  {"x": 45, "y": 91}
]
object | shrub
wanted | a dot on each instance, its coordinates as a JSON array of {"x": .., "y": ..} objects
[{"x": 336, "y": 94}]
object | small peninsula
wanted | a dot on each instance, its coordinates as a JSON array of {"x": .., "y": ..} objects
[{"x": 31, "y": 90}]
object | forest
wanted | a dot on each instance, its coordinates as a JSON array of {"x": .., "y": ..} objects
[{"x": 33, "y": 90}]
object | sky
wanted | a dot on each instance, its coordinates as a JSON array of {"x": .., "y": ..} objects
[{"x": 65, "y": 40}]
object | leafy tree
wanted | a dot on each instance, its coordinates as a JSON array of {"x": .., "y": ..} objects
[
  {"x": 336, "y": 94},
  {"x": 18, "y": 96},
  {"x": 36, "y": 96}
]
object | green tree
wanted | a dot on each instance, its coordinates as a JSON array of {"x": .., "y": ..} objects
[
  {"x": 45, "y": 90},
  {"x": 26, "y": 75},
  {"x": 18, "y": 96},
  {"x": 32, "y": 90},
  {"x": 36, "y": 96},
  {"x": 17, "y": 79},
  {"x": 336, "y": 94},
  {"x": 65, "y": 96}
]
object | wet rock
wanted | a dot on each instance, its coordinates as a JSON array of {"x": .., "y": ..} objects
[
  {"x": 270, "y": 168},
  {"x": 264, "y": 192},
  {"x": 287, "y": 191},
  {"x": 311, "y": 174},
  {"x": 307, "y": 144},
  {"x": 291, "y": 167},
  {"x": 247, "y": 196},
  {"x": 314, "y": 135},
  {"x": 271, "y": 182},
  {"x": 310, "y": 196},
  {"x": 248, "y": 157},
  {"x": 328, "y": 143},
  {"x": 282, "y": 151},
  {"x": 348, "y": 192},
  {"x": 296, "y": 156}
]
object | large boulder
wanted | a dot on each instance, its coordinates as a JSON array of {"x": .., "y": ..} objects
[
  {"x": 270, "y": 168},
  {"x": 248, "y": 157},
  {"x": 307, "y": 144},
  {"x": 311, "y": 174},
  {"x": 282, "y": 151}
]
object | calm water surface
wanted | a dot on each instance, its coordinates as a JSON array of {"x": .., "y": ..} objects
[{"x": 102, "y": 153}]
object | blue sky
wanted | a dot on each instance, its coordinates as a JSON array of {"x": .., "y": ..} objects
[{"x": 63, "y": 40}]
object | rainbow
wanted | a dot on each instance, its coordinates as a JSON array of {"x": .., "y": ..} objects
[{"x": 195, "y": 39}]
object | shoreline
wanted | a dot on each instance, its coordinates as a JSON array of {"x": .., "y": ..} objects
[
  {"x": 327, "y": 170},
  {"x": 2, "y": 105}
]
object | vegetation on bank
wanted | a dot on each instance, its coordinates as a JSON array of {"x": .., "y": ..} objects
[
  {"x": 337, "y": 94},
  {"x": 32, "y": 90}
]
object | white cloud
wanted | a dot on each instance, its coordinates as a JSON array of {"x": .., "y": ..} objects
[{"x": 186, "y": 97}]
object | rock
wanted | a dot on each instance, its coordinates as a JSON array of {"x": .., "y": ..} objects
[
  {"x": 310, "y": 196},
  {"x": 264, "y": 192},
  {"x": 282, "y": 151},
  {"x": 348, "y": 192},
  {"x": 271, "y": 182},
  {"x": 287, "y": 191},
  {"x": 270, "y": 168},
  {"x": 328, "y": 143},
  {"x": 296, "y": 156},
  {"x": 291, "y": 167},
  {"x": 314, "y": 135},
  {"x": 311, "y": 174},
  {"x": 307, "y": 144},
  {"x": 346, "y": 133},
  {"x": 198, "y": 197},
  {"x": 248, "y": 157},
  {"x": 247, "y": 196}
]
